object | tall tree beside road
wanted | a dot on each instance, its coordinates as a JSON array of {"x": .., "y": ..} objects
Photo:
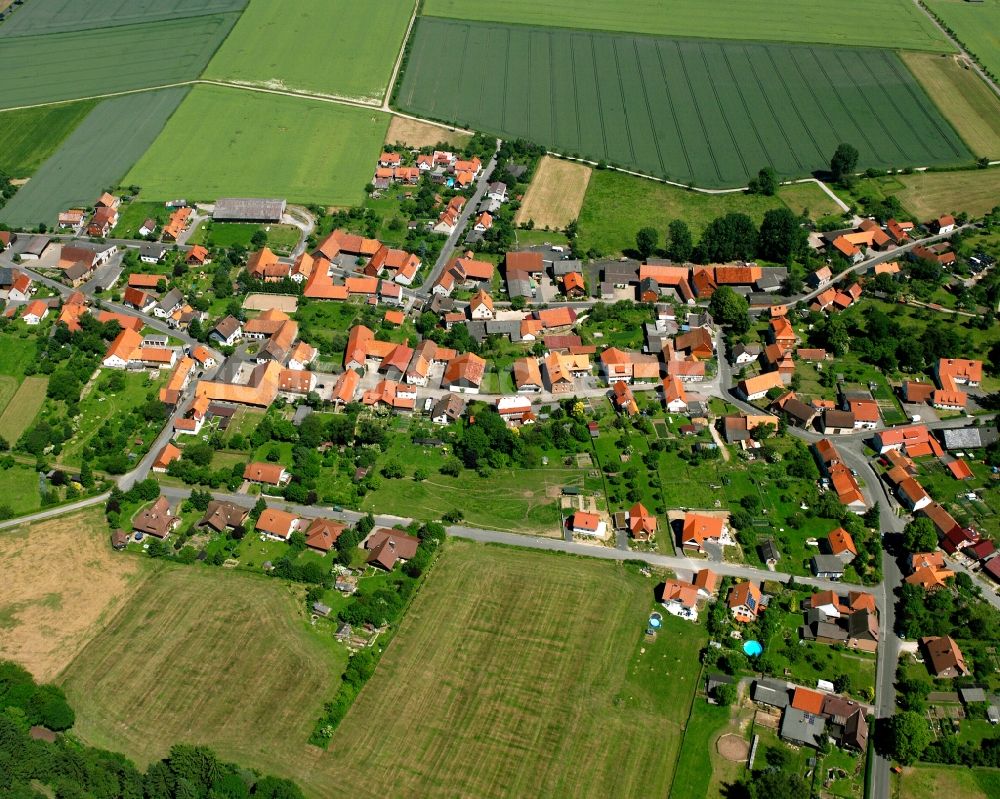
[
  {"x": 681, "y": 243},
  {"x": 730, "y": 309},
  {"x": 844, "y": 161},
  {"x": 646, "y": 241},
  {"x": 920, "y": 535},
  {"x": 765, "y": 183},
  {"x": 782, "y": 237},
  {"x": 909, "y": 736}
]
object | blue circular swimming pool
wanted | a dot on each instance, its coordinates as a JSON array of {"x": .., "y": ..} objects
[{"x": 752, "y": 648}]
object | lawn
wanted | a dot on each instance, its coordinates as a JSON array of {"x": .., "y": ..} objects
[
  {"x": 131, "y": 217},
  {"x": 518, "y": 501},
  {"x": 555, "y": 195},
  {"x": 330, "y": 47},
  {"x": 22, "y": 408},
  {"x": 62, "y": 583},
  {"x": 976, "y": 25},
  {"x": 933, "y": 781},
  {"x": 226, "y": 142},
  {"x": 808, "y": 198},
  {"x": 55, "y": 16},
  {"x": 93, "y": 157},
  {"x": 280, "y": 238},
  {"x": 699, "y": 757},
  {"x": 35, "y": 68},
  {"x": 517, "y": 673},
  {"x": 617, "y": 205},
  {"x": 16, "y": 352},
  {"x": 19, "y": 489},
  {"x": 708, "y": 112},
  {"x": 963, "y": 97},
  {"x": 804, "y": 21},
  {"x": 221, "y": 658},
  {"x": 29, "y": 137},
  {"x": 244, "y": 422}
]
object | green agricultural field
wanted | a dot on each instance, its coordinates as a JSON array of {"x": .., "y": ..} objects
[
  {"x": 617, "y": 205},
  {"x": 976, "y": 25},
  {"x": 707, "y": 112},
  {"x": 22, "y": 409},
  {"x": 227, "y": 142},
  {"x": 16, "y": 352},
  {"x": 30, "y": 136},
  {"x": 330, "y": 47},
  {"x": 63, "y": 16},
  {"x": 93, "y": 157},
  {"x": 220, "y": 658},
  {"x": 66, "y": 66},
  {"x": 764, "y": 20},
  {"x": 517, "y": 673},
  {"x": 925, "y": 195}
]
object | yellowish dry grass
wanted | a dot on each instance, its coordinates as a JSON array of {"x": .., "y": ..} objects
[
  {"x": 414, "y": 133},
  {"x": 555, "y": 195},
  {"x": 964, "y": 99},
  {"x": 61, "y": 583}
]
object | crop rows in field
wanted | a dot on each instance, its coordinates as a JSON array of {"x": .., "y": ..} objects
[
  {"x": 93, "y": 157},
  {"x": 64, "y": 66},
  {"x": 876, "y": 23},
  {"x": 707, "y": 112},
  {"x": 63, "y": 16}
]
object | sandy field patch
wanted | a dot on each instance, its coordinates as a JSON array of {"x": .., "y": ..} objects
[
  {"x": 61, "y": 582},
  {"x": 733, "y": 747},
  {"x": 556, "y": 194},
  {"x": 264, "y": 302},
  {"x": 413, "y": 133}
]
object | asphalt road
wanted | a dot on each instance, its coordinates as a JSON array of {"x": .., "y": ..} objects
[{"x": 482, "y": 183}]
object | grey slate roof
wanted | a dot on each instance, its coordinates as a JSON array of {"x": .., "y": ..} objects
[
  {"x": 827, "y": 564},
  {"x": 248, "y": 208},
  {"x": 770, "y": 692},
  {"x": 802, "y": 728},
  {"x": 969, "y": 437}
]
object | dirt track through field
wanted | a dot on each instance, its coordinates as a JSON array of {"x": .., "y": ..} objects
[
  {"x": 556, "y": 194},
  {"x": 61, "y": 583}
]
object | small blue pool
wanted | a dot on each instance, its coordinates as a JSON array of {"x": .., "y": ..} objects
[{"x": 752, "y": 648}]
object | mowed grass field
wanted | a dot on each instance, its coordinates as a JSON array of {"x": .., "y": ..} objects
[
  {"x": 617, "y": 205},
  {"x": 931, "y": 193},
  {"x": 55, "y": 16},
  {"x": 708, "y": 112},
  {"x": 977, "y": 25},
  {"x": 230, "y": 142},
  {"x": 765, "y": 20},
  {"x": 808, "y": 197},
  {"x": 22, "y": 408},
  {"x": 343, "y": 48},
  {"x": 211, "y": 657},
  {"x": 556, "y": 193},
  {"x": 62, "y": 583},
  {"x": 963, "y": 97},
  {"x": 517, "y": 501},
  {"x": 519, "y": 673},
  {"x": 934, "y": 781},
  {"x": 81, "y": 64},
  {"x": 29, "y": 137},
  {"x": 93, "y": 157}
]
